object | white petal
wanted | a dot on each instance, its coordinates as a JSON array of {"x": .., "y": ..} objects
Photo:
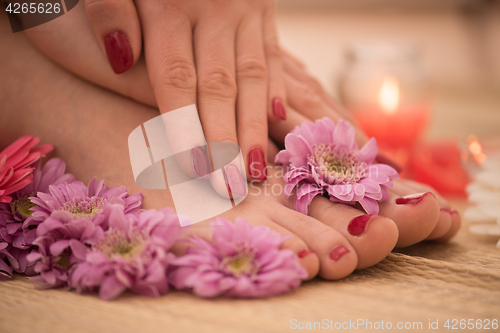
[{"x": 485, "y": 229}]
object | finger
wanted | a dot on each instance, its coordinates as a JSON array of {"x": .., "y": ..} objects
[
  {"x": 170, "y": 64},
  {"x": 307, "y": 100},
  {"x": 288, "y": 57},
  {"x": 277, "y": 91},
  {"x": 117, "y": 28},
  {"x": 278, "y": 131},
  {"x": 251, "y": 73},
  {"x": 214, "y": 46},
  {"x": 293, "y": 68}
]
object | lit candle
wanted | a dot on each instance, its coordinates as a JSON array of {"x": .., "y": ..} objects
[
  {"x": 385, "y": 88},
  {"x": 392, "y": 121}
]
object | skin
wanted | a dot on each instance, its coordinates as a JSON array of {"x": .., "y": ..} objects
[
  {"x": 77, "y": 116},
  {"x": 204, "y": 52}
]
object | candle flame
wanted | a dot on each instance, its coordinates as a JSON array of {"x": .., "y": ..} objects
[
  {"x": 476, "y": 149},
  {"x": 389, "y": 95}
]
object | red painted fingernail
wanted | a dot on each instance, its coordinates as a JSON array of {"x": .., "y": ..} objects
[
  {"x": 380, "y": 158},
  {"x": 278, "y": 108},
  {"x": 119, "y": 52},
  {"x": 257, "y": 164},
  {"x": 412, "y": 199},
  {"x": 358, "y": 225},
  {"x": 338, "y": 252},
  {"x": 304, "y": 253}
]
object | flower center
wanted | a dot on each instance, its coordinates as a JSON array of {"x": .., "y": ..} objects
[
  {"x": 22, "y": 206},
  {"x": 117, "y": 242},
  {"x": 242, "y": 263},
  {"x": 84, "y": 207},
  {"x": 63, "y": 261},
  {"x": 343, "y": 167}
]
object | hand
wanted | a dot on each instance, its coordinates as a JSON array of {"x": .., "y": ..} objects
[{"x": 219, "y": 55}]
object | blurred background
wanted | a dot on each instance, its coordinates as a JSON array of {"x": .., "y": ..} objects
[
  {"x": 458, "y": 43},
  {"x": 458, "y": 40}
]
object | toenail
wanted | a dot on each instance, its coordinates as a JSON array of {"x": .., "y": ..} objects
[
  {"x": 304, "y": 253},
  {"x": 338, "y": 252},
  {"x": 358, "y": 225},
  {"x": 448, "y": 210},
  {"x": 412, "y": 199}
]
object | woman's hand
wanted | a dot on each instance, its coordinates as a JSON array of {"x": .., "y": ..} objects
[{"x": 221, "y": 55}]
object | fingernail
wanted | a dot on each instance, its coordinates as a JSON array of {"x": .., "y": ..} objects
[
  {"x": 304, "y": 253},
  {"x": 119, "y": 52},
  {"x": 380, "y": 158},
  {"x": 338, "y": 252},
  {"x": 199, "y": 162},
  {"x": 278, "y": 108},
  {"x": 448, "y": 210},
  {"x": 235, "y": 181},
  {"x": 358, "y": 225},
  {"x": 412, "y": 199},
  {"x": 257, "y": 164}
]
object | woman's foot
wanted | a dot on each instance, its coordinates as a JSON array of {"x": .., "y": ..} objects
[{"x": 90, "y": 126}]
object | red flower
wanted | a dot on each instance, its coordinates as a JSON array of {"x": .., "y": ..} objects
[{"x": 15, "y": 164}]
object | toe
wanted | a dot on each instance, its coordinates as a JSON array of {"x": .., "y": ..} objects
[
  {"x": 306, "y": 255},
  {"x": 372, "y": 236},
  {"x": 337, "y": 258},
  {"x": 443, "y": 225},
  {"x": 456, "y": 222},
  {"x": 415, "y": 215}
]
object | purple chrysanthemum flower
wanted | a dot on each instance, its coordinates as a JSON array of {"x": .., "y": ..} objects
[
  {"x": 132, "y": 254},
  {"x": 322, "y": 158},
  {"x": 13, "y": 214},
  {"x": 79, "y": 201},
  {"x": 243, "y": 261},
  {"x": 69, "y": 219}
]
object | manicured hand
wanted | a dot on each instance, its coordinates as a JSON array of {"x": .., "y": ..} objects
[{"x": 223, "y": 56}]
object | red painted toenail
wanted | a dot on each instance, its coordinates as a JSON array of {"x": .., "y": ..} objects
[
  {"x": 357, "y": 226},
  {"x": 338, "y": 252},
  {"x": 304, "y": 253},
  {"x": 412, "y": 199}
]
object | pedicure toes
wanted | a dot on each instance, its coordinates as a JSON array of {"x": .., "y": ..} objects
[
  {"x": 304, "y": 253},
  {"x": 358, "y": 225},
  {"x": 338, "y": 252},
  {"x": 412, "y": 199}
]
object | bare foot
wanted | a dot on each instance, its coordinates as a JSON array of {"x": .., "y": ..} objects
[{"x": 90, "y": 126}]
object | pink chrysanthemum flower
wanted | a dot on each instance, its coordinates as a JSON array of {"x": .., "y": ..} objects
[
  {"x": 78, "y": 201},
  {"x": 324, "y": 159},
  {"x": 243, "y": 261},
  {"x": 132, "y": 254},
  {"x": 68, "y": 219},
  {"x": 15, "y": 161},
  {"x": 13, "y": 214}
]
